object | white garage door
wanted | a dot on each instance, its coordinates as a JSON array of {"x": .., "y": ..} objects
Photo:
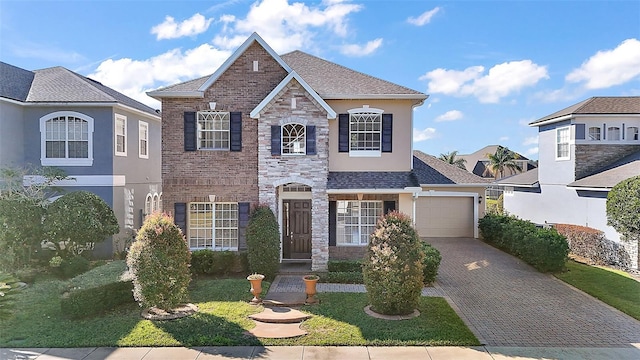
[{"x": 445, "y": 216}]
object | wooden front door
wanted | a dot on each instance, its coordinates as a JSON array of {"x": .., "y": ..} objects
[{"x": 296, "y": 229}]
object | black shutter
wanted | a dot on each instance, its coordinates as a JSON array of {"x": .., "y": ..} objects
[
  {"x": 389, "y": 206},
  {"x": 311, "y": 140},
  {"x": 622, "y": 131},
  {"x": 235, "y": 131},
  {"x": 180, "y": 216},
  {"x": 604, "y": 131},
  {"x": 332, "y": 222},
  {"x": 275, "y": 140},
  {"x": 343, "y": 133},
  {"x": 190, "y": 133},
  {"x": 243, "y": 221},
  {"x": 580, "y": 131},
  {"x": 387, "y": 132}
]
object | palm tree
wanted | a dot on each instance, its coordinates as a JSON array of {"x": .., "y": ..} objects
[
  {"x": 503, "y": 158},
  {"x": 450, "y": 158}
]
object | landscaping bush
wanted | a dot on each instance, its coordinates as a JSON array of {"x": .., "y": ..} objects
[
  {"x": 208, "y": 262},
  {"x": 544, "y": 249},
  {"x": 159, "y": 262},
  {"x": 263, "y": 242},
  {"x": 392, "y": 267},
  {"x": 80, "y": 303},
  {"x": 592, "y": 245},
  {"x": 343, "y": 277},
  {"x": 344, "y": 266},
  {"x": 74, "y": 266},
  {"x": 430, "y": 263}
]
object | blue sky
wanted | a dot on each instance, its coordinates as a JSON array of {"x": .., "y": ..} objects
[{"x": 490, "y": 67}]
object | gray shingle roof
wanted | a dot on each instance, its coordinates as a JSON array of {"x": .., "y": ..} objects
[
  {"x": 598, "y": 105},
  {"x": 15, "y": 82},
  {"x": 610, "y": 175},
  {"x": 333, "y": 81},
  {"x": 527, "y": 178},
  {"x": 431, "y": 170},
  {"x": 371, "y": 180},
  {"x": 473, "y": 158}
]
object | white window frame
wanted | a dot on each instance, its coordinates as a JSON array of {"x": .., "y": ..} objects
[
  {"x": 368, "y": 152},
  {"x": 201, "y": 117},
  {"x": 356, "y": 230},
  {"x": 288, "y": 144},
  {"x": 563, "y": 141},
  {"x": 120, "y": 119},
  {"x": 199, "y": 230},
  {"x": 148, "y": 205},
  {"x": 633, "y": 133},
  {"x": 143, "y": 129},
  {"x": 599, "y": 133},
  {"x": 616, "y": 130},
  {"x": 66, "y": 161}
]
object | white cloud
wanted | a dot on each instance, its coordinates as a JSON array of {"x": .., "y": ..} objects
[
  {"x": 609, "y": 67},
  {"x": 532, "y": 151},
  {"x": 421, "y": 135},
  {"x": 450, "y": 115},
  {"x": 424, "y": 18},
  {"x": 169, "y": 29},
  {"x": 531, "y": 140},
  {"x": 504, "y": 138},
  {"x": 361, "y": 50},
  {"x": 502, "y": 80},
  {"x": 134, "y": 77}
]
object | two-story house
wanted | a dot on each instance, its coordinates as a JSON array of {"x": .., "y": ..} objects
[
  {"x": 478, "y": 163},
  {"x": 329, "y": 149},
  {"x": 106, "y": 142},
  {"x": 585, "y": 150}
]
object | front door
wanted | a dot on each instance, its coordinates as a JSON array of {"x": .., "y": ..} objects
[{"x": 296, "y": 229}]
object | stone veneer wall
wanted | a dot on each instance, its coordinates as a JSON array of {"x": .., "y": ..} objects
[
  {"x": 311, "y": 170},
  {"x": 592, "y": 157},
  {"x": 633, "y": 249},
  {"x": 231, "y": 176}
]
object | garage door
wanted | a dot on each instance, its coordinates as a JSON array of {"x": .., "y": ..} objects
[{"x": 445, "y": 216}]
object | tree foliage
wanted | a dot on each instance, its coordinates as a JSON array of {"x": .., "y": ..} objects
[
  {"x": 453, "y": 159},
  {"x": 501, "y": 160},
  {"x": 623, "y": 208},
  {"x": 91, "y": 218},
  {"x": 263, "y": 242}
]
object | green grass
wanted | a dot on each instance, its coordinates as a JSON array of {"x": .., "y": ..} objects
[
  {"x": 615, "y": 288},
  {"x": 222, "y": 320}
]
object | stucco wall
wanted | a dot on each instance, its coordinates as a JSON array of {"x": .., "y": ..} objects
[{"x": 11, "y": 134}]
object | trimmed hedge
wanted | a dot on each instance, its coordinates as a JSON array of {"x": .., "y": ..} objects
[
  {"x": 592, "y": 245},
  {"x": 209, "y": 262},
  {"x": 263, "y": 242},
  {"x": 345, "y": 266},
  {"x": 544, "y": 249},
  {"x": 343, "y": 277},
  {"x": 430, "y": 263},
  {"x": 80, "y": 303}
]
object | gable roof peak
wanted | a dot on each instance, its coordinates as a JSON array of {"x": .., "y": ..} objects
[{"x": 601, "y": 105}]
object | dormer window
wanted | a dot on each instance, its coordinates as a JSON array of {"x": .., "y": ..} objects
[
  {"x": 613, "y": 133},
  {"x": 632, "y": 133},
  {"x": 594, "y": 133}
]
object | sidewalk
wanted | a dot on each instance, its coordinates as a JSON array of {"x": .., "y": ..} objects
[{"x": 323, "y": 352}]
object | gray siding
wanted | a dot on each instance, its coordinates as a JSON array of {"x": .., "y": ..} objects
[
  {"x": 11, "y": 134},
  {"x": 552, "y": 171}
]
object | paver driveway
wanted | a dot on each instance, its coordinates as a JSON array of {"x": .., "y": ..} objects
[{"x": 508, "y": 303}]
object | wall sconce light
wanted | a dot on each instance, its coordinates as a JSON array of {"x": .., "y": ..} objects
[
  {"x": 212, "y": 105},
  {"x": 479, "y": 199}
]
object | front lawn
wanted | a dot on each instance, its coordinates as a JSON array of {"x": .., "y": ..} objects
[
  {"x": 615, "y": 288},
  {"x": 222, "y": 320}
]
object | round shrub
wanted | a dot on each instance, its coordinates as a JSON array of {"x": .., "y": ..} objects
[
  {"x": 263, "y": 242},
  {"x": 430, "y": 263},
  {"x": 392, "y": 267},
  {"x": 74, "y": 266},
  {"x": 159, "y": 262}
]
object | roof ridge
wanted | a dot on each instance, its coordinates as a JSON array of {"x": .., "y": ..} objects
[{"x": 585, "y": 103}]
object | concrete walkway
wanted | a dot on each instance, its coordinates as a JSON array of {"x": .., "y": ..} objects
[
  {"x": 505, "y": 302},
  {"x": 322, "y": 352}
]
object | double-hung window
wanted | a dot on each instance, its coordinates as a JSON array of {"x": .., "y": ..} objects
[
  {"x": 121, "y": 135},
  {"x": 594, "y": 133},
  {"x": 613, "y": 133},
  {"x": 562, "y": 143},
  {"x": 365, "y": 132},
  {"x": 66, "y": 139},
  {"x": 356, "y": 220},
  {"x": 294, "y": 140},
  {"x": 143, "y": 140},
  {"x": 213, "y": 130},
  {"x": 213, "y": 226}
]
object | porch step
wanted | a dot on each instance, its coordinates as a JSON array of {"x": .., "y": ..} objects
[
  {"x": 280, "y": 315},
  {"x": 276, "y": 331},
  {"x": 286, "y": 299}
]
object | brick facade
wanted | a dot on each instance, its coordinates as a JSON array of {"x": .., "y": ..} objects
[{"x": 592, "y": 157}]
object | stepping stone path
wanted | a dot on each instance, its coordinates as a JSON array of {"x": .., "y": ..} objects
[{"x": 278, "y": 322}]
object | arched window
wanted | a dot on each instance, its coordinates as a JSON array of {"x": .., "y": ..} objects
[
  {"x": 156, "y": 203},
  {"x": 148, "y": 205},
  {"x": 294, "y": 139},
  {"x": 613, "y": 133},
  {"x": 66, "y": 139},
  {"x": 365, "y": 131}
]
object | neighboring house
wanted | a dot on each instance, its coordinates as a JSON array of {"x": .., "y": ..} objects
[
  {"x": 326, "y": 147},
  {"x": 584, "y": 150},
  {"x": 478, "y": 162},
  {"x": 106, "y": 142}
]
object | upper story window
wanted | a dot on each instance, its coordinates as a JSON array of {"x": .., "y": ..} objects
[
  {"x": 121, "y": 135},
  {"x": 562, "y": 143},
  {"x": 365, "y": 132},
  {"x": 613, "y": 133},
  {"x": 143, "y": 140},
  {"x": 213, "y": 130},
  {"x": 66, "y": 139},
  {"x": 594, "y": 133},
  {"x": 356, "y": 220},
  {"x": 632, "y": 133},
  {"x": 294, "y": 139}
]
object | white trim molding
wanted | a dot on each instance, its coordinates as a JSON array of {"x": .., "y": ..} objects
[{"x": 80, "y": 180}]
